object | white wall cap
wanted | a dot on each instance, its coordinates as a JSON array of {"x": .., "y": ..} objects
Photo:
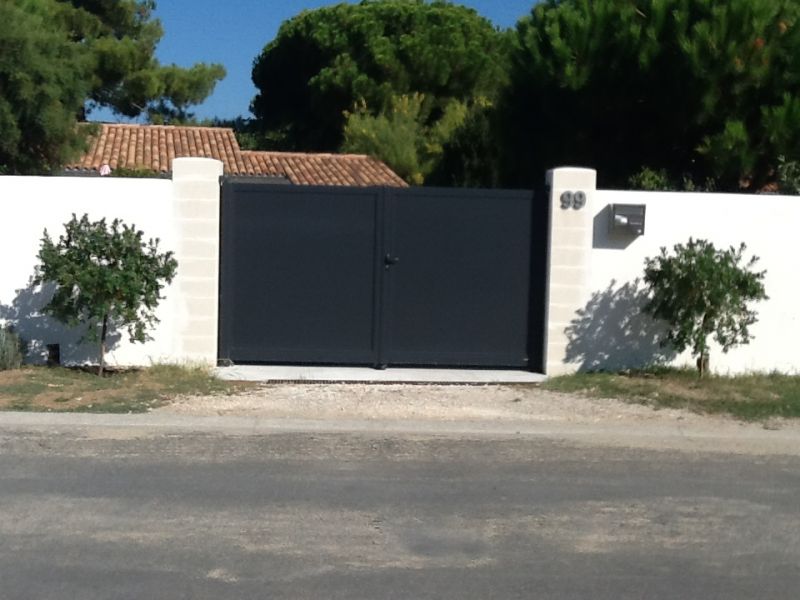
[
  {"x": 196, "y": 168},
  {"x": 572, "y": 176}
]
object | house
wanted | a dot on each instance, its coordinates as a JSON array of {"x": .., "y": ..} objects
[{"x": 153, "y": 147}]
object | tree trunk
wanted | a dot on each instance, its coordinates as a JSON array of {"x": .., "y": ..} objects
[
  {"x": 702, "y": 361},
  {"x": 103, "y": 334},
  {"x": 702, "y": 364}
]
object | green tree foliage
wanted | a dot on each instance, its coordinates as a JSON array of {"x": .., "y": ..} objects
[
  {"x": 106, "y": 277},
  {"x": 697, "y": 87},
  {"x": 120, "y": 37},
  {"x": 59, "y": 58},
  {"x": 328, "y": 61},
  {"x": 470, "y": 154},
  {"x": 788, "y": 176},
  {"x": 246, "y": 131},
  {"x": 136, "y": 173},
  {"x": 650, "y": 180},
  {"x": 700, "y": 292},
  {"x": 43, "y": 85},
  {"x": 401, "y": 137}
]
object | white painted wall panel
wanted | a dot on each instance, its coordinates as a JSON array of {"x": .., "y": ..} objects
[
  {"x": 612, "y": 336},
  {"x": 28, "y": 205}
]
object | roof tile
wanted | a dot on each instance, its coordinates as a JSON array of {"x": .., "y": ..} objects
[
  {"x": 321, "y": 169},
  {"x": 153, "y": 147}
]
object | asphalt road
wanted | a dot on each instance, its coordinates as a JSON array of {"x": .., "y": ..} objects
[{"x": 105, "y": 512}]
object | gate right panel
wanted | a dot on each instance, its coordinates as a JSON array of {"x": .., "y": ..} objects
[{"x": 458, "y": 277}]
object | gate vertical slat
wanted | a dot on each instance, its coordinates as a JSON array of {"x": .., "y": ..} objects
[
  {"x": 540, "y": 248},
  {"x": 378, "y": 294},
  {"x": 226, "y": 273}
]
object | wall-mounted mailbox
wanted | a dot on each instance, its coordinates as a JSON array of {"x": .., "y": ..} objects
[{"x": 627, "y": 219}]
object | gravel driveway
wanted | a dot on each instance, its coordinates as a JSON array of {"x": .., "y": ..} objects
[
  {"x": 422, "y": 402},
  {"x": 509, "y": 408}
]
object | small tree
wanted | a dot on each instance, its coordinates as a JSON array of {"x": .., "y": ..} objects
[
  {"x": 106, "y": 277},
  {"x": 702, "y": 292}
]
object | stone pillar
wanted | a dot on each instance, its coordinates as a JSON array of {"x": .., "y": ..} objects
[
  {"x": 569, "y": 259},
  {"x": 197, "y": 220}
]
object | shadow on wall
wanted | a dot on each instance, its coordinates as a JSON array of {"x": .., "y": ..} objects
[
  {"x": 38, "y": 331},
  {"x": 611, "y": 333},
  {"x": 605, "y": 239}
]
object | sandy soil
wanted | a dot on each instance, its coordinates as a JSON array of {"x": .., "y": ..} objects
[
  {"x": 583, "y": 421},
  {"x": 496, "y": 403}
]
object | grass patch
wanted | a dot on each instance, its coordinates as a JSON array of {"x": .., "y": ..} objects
[
  {"x": 121, "y": 391},
  {"x": 748, "y": 397}
]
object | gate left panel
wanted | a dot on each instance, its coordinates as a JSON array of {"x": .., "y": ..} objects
[{"x": 298, "y": 274}]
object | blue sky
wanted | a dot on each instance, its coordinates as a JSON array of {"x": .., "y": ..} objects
[{"x": 234, "y": 33}]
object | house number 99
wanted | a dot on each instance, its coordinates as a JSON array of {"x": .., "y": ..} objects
[{"x": 574, "y": 200}]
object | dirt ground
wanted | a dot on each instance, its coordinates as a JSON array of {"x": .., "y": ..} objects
[
  {"x": 502, "y": 407},
  {"x": 496, "y": 403}
]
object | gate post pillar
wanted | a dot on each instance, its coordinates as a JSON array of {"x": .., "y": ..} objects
[
  {"x": 196, "y": 192},
  {"x": 571, "y": 192}
]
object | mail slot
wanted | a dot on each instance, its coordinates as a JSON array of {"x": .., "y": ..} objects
[{"x": 627, "y": 219}]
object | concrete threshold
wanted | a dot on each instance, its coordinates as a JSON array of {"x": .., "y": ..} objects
[{"x": 366, "y": 375}]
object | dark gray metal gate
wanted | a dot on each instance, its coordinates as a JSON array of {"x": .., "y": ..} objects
[{"x": 381, "y": 276}]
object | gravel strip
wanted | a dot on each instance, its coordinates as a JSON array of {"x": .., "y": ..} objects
[{"x": 494, "y": 403}]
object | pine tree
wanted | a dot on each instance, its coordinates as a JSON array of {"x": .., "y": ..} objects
[
  {"x": 696, "y": 87},
  {"x": 330, "y": 61}
]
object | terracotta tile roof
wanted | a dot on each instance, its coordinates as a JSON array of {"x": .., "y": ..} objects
[
  {"x": 153, "y": 147},
  {"x": 321, "y": 169}
]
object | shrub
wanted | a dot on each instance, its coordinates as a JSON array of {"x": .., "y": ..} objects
[
  {"x": 137, "y": 173},
  {"x": 11, "y": 351},
  {"x": 789, "y": 176},
  {"x": 106, "y": 276},
  {"x": 650, "y": 180},
  {"x": 702, "y": 292}
]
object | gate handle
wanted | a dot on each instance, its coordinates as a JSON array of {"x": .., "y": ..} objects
[{"x": 390, "y": 260}]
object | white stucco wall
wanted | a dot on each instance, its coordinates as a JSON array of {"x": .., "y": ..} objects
[
  {"x": 594, "y": 320},
  {"x": 183, "y": 214},
  {"x": 613, "y": 337}
]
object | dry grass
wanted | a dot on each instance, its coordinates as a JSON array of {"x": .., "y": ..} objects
[
  {"x": 749, "y": 397},
  {"x": 121, "y": 391}
]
